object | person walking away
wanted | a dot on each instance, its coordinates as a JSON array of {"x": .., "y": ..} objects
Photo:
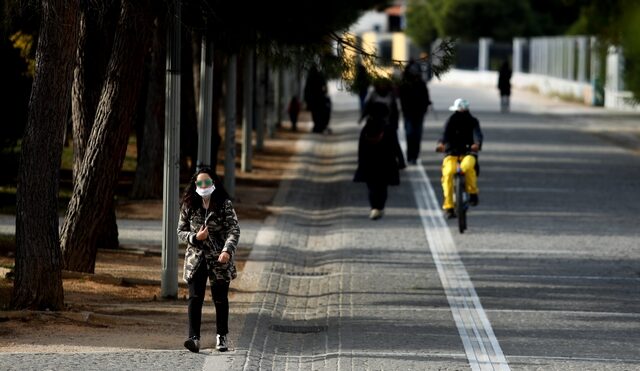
[
  {"x": 379, "y": 154},
  {"x": 414, "y": 100},
  {"x": 209, "y": 225},
  {"x": 315, "y": 96},
  {"x": 461, "y": 140},
  {"x": 504, "y": 85},
  {"x": 294, "y": 110}
]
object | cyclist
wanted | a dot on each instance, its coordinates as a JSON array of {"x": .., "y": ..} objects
[{"x": 461, "y": 140}]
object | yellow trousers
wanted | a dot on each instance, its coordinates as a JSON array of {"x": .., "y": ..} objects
[{"x": 449, "y": 166}]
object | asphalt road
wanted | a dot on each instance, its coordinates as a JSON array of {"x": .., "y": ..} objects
[{"x": 553, "y": 249}]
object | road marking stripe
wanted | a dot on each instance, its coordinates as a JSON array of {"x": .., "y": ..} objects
[
  {"x": 480, "y": 343},
  {"x": 565, "y": 312},
  {"x": 557, "y": 277},
  {"x": 582, "y": 359}
]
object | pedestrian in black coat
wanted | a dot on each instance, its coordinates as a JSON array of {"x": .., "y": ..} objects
[
  {"x": 379, "y": 155},
  {"x": 504, "y": 85},
  {"x": 414, "y": 99},
  {"x": 317, "y": 99}
]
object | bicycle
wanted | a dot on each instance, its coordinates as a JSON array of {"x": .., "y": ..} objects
[{"x": 460, "y": 197}]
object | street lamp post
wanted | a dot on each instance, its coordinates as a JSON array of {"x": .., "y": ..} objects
[{"x": 169, "y": 279}]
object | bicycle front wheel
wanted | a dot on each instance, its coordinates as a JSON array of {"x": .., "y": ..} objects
[{"x": 461, "y": 209}]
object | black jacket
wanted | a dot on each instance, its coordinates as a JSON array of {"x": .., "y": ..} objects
[
  {"x": 414, "y": 98},
  {"x": 461, "y": 131},
  {"x": 379, "y": 155}
]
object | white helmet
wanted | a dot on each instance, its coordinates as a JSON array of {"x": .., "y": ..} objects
[{"x": 460, "y": 104}]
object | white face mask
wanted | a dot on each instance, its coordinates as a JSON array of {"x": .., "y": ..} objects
[{"x": 205, "y": 192}]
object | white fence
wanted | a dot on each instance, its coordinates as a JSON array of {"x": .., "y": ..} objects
[{"x": 564, "y": 66}]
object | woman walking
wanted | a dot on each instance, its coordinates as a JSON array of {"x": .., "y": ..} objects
[
  {"x": 504, "y": 85},
  {"x": 379, "y": 155},
  {"x": 209, "y": 225}
]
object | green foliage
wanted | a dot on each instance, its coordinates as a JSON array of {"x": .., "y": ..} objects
[
  {"x": 554, "y": 17},
  {"x": 468, "y": 19},
  {"x": 498, "y": 19},
  {"x": 631, "y": 49},
  {"x": 601, "y": 18},
  {"x": 422, "y": 18},
  {"x": 615, "y": 22}
]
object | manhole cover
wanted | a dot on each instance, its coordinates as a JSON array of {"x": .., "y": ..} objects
[
  {"x": 307, "y": 274},
  {"x": 299, "y": 329}
]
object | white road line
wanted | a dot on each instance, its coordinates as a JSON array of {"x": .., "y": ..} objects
[
  {"x": 557, "y": 277},
  {"x": 581, "y": 359},
  {"x": 566, "y": 313},
  {"x": 481, "y": 346}
]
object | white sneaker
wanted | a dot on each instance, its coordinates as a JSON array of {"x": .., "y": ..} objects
[
  {"x": 221, "y": 343},
  {"x": 375, "y": 214}
]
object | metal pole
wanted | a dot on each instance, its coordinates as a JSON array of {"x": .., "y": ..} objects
[
  {"x": 169, "y": 279},
  {"x": 277, "y": 122},
  {"x": 483, "y": 54},
  {"x": 247, "y": 123},
  {"x": 205, "y": 104},
  {"x": 582, "y": 59},
  {"x": 262, "y": 93},
  {"x": 230, "y": 127}
]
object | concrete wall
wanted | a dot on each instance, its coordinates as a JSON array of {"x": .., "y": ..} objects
[{"x": 546, "y": 85}]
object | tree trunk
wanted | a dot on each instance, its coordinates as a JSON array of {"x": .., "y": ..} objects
[
  {"x": 148, "y": 180},
  {"x": 38, "y": 280},
  {"x": 94, "y": 43},
  {"x": 97, "y": 22},
  {"x": 93, "y": 193}
]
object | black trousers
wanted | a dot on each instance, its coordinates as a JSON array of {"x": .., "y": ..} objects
[
  {"x": 377, "y": 194},
  {"x": 220, "y": 294},
  {"x": 413, "y": 131}
]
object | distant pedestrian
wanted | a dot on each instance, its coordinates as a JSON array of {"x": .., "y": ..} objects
[
  {"x": 504, "y": 85},
  {"x": 317, "y": 100},
  {"x": 379, "y": 155},
  {"x": 294, "y": 111},
  {"x": 209, "y": 225},
  {"x": 415, "y": 100}
]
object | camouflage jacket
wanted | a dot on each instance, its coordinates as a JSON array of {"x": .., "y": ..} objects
[{"x": 224, "y": 234}]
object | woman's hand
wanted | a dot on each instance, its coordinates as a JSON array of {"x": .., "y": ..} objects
[
  {"x": 203, "y": 233},
  {"x": 224, "y": 257}
]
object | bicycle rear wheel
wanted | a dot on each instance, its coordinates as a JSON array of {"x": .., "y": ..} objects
[{"x": 461, "y": 209}]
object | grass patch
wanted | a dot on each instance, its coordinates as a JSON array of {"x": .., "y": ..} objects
[{"x": 130, "y": 159}]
